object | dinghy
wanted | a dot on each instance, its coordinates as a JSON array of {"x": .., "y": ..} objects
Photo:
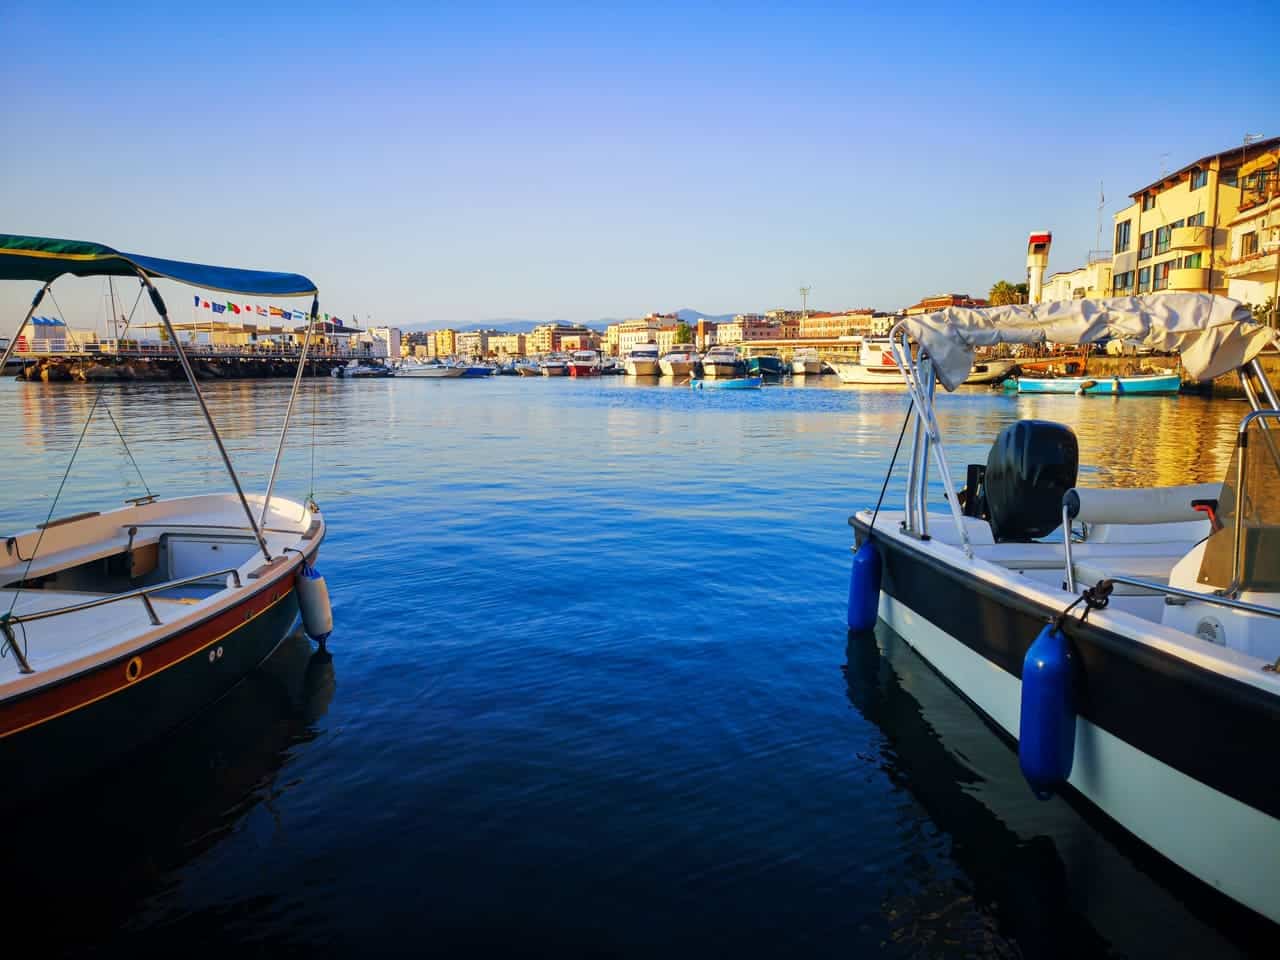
[
  {"x": 1127, "y": 641},
  {"x": 120, "y": 623},
  {"x": 1140, "y": 385},
  {"x": 738, "y": 383}
]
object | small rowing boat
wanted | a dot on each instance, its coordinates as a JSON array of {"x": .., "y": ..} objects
[
  {"x": 1141, "y": 385},
  {"x": 738, "y": 383}
]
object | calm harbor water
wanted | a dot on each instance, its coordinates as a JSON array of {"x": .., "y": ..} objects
[{"x": 591, "y": 692}]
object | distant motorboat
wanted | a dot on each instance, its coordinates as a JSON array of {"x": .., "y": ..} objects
[
  {"x": 434, "y": 369},
  {"x": 527, "y": 368},
  {"x": 358, "y": 368},
  {"x": 770, "y": 367},
  {"x": 991, "y": 371},
  {"x": 584, "y": 363},
  {"x": 479, "y": 370},
  {"x": 1148, "y": 384},
  {"x": 555, "y": 365},
  {"x": 734, "y": 383},
  {"x": 680, "y": 361},
  {"x": 806, "y": 362},
  {"x": 875, "y": 364},
  {"x": 721, "y": 362},
  {"x": 642, "y": 361}
]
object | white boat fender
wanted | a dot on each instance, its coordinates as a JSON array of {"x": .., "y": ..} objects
[{"x": 313, "y": 601}]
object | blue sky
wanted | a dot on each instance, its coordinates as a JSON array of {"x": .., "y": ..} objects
[{"x": 451, "y": 163}]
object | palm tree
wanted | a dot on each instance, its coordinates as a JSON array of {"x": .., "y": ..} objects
[{"x": 1003, "y": 292}]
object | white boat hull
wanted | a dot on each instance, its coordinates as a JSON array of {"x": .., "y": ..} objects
[
  {"x": 430, "y": 373},
  {"x": 715, "y": 370},
  {"x": 991, "y": 371},
  {"x": 1229, "y": 844},
  {"x": 555, "y": 371},
  {"x": 641, "y": 368},
  {"x": 806, "y": 367},
  {"x": 856, "y": 373},
  {"x": 677, "y": 368}
]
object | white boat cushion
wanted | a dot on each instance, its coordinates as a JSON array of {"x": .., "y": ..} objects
[{"x": 1153, "y": 568}]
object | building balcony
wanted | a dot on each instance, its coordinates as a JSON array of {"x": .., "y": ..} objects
[
  {"x": 1196, "y": 238},
  {"x": 1253, "y": 267},
  {"x": 1189, "y": 278}
]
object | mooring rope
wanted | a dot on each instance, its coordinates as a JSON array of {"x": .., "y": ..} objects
[{"x": 888, "y": 473}]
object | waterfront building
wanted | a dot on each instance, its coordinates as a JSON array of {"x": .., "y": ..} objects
[
  {"x": 1252, "y": 266},
  {"x": 548, "y": 337},
  {"x": 666, "y": 338},
  {"x": 822, "y": 324},
  {"x": 477, "y": 343},
  {"x": 746, "y": 327},
  {"x": 882, "y": 323},
  {"x": 586, "y": 340},
  {"x": 411, "y": 341},
  {"x": 446, "y": 343},
  {"x": 788, "y": 322},
  {"x": 1173, "y": 235},
  {"x": 1091, "y": 280},
  {"x": 634, "y": 332},
  {"x": 609, "y": 342},
  {"x": 704, "y": 334},
  {"x": 943, "y": 300},
  {"x": 384, "y": 342},
  {"x": 508, "y": 344}
]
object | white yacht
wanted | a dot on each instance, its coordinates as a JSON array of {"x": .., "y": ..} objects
[
  {"x": 875, "y": 364},
  {"x": 680, "y": 361},
  {"x": 555, "y": 365},
  {"x": 642, "y": 361},
  {"x": 806, "y": 362},
  {"x": 430, "y": 369},
  {"x": 721, "y": 361}
]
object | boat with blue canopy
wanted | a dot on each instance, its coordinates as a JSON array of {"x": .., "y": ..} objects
[{"x": 120, "y": 623}]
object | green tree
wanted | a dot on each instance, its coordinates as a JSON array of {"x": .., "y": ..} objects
[
  {"x": 1003, "y": 292},
  {"x": 1266, "y": 312},
  {"x": 684, "y": 333}
]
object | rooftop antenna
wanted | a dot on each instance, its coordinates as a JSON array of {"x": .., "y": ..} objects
[
  {"x": 1253, "y": 138},
  {"x": 804, "y": 302},
  {"x": 1102, "y": 202}
]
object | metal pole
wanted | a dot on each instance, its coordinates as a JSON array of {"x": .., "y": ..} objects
[
  {"x": 161, "y": 309},
  {"x": 924, "y": 369},
  {"x": 288, "y": 412},
  {"x": 35, "y": 302}
]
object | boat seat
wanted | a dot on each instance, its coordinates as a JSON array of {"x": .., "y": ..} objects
[{"x": 1150, "y": 567}]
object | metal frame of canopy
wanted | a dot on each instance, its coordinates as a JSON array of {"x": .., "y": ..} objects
[
  {"x": 921, "y": 380},
  {"x": 46, "y": 259}
]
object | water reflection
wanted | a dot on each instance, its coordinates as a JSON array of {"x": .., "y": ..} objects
[
  {"x": 106, "y": 845},
  {"x": 1059, "y": 883}
]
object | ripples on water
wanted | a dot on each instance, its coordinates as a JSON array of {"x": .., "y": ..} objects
[{"x": 587, "y": 691}]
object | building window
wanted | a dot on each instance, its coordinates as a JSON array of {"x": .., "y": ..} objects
[
  {"x": 1148, "y": 201},
  {"x": 1122, "y": 284},
  {"x": 1162, "y": 275},
  {"x": 1162, "y": 239},
  {"x": 1199, "y": 178},
  {"x": 1144, "y": 279},
  {"x": 1196, "y": 221},
  {"x": 1192, "y": 260},
  {"x": 1145, "y": 246},
  {"x": 1122, "y": 236},
  {"x": 1230, "y": 176},
  {"x": 1249, "y": 243}
]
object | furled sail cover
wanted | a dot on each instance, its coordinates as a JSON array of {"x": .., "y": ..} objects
[
  {"x": 1214, "y": 334},
  {"x": 44, "y": 259}
]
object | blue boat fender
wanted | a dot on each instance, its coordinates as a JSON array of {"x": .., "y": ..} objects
[
  {"x": 864, "y": 587},
  {"x": 1047, "y": 724},
  {"x": 313, "y": 602}
]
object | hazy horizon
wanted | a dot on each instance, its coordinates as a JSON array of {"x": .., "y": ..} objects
[{"x": 465, "y": 163}]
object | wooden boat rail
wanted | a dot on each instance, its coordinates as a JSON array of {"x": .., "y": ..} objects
[{"x": 142, "y": 593}]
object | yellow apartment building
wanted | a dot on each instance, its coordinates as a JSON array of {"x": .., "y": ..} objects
[
  {"x": 1173, "y": 236},
  {"x": 1253, "y": 236},
  {"x": 508, "y": 344},
  {"x": 1091, "y": 280},
  {"x": 446, "y": 343}
]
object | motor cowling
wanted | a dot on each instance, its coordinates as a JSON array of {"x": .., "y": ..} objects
[{"x": 1031, "y": 465}]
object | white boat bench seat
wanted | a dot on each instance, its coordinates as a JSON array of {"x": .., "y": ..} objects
[{"x": 1155, "y": 569}]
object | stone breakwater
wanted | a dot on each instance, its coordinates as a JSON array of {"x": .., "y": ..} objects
[{"x": 59, "y": 370}]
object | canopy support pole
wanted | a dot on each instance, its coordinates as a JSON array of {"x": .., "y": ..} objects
[
  {"x": 161, "y": 309},
  {"x": 35, "y": 302},
  {"x": 288, "y": 411}
]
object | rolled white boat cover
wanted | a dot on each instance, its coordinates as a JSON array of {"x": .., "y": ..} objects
[
  {"x": 1215, "y": 335},
  {"x": 1141, "y": 505}
]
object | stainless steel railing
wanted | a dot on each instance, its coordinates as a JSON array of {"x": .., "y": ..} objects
[{"x": 142, "y": 593}]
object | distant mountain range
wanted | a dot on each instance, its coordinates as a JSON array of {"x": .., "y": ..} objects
[{"x": 514, "y": 325}]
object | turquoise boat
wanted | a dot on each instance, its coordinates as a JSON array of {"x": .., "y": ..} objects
[
  {"x": 1142, "y": 385},
  {"x": 739, "y": 383}
]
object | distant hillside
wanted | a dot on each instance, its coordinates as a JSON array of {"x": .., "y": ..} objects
[{"x": 693, "y": 316}]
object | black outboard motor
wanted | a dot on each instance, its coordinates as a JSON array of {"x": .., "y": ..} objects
[{"x": 1030, "y": 466}]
